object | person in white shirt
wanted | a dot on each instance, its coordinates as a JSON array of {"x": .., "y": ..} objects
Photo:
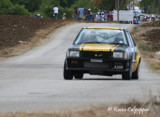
[{"x": 55, "y": 10}]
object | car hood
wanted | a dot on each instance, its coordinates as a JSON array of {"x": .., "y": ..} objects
[{"x": 101, "y": 47}]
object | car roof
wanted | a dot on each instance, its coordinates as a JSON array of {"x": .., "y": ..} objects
[{"x": 112, "y": 28}]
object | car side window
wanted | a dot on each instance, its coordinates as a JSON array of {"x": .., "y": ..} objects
[
  {"x": 130, "y": 39},
  {"x": 134, "y": 44}
]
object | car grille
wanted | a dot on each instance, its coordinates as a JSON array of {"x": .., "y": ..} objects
[
  {"x": 96, "y": 65},
  {"x": 92, "y": 54}
]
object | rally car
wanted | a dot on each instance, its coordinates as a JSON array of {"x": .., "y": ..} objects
[{"x": 102, "y": 51}]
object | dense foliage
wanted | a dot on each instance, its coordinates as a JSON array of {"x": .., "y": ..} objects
[
  {"x": 151, "y": 6},
  {"x": 7, "y": 7}
]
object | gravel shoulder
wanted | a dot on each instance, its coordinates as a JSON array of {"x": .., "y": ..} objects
[{"x": 146, "y": 37}]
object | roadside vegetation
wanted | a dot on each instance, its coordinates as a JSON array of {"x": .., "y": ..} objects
[
  {"x": 147, "y": 39},
  {"x": 146, "y": 109},
  {"x": 45, "y": 7}
]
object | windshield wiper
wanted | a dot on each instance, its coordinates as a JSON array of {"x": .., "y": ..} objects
[{"x": 118, "y": 43}]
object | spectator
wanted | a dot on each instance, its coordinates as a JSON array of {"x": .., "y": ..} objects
[
  {"x": 108, "y": 17},
  {"x": 86, "y": 14},
  {"x": 138, "y": 20},
  {"x": 55, "y": 10},
  {"x": 37, "y": 16},
  {"x": 145, "y": 18},
  {"x": 64, "y": 16},
  {"x": 105, "y": 16},
  {"x": 156, "y": 18},
  {"x": 88, "y": 17},
  {"x": 81, "y": 12},
  {"x": 135, "y": 20},
  {"x": 98, "y": 16},
  {"x": 93, "y": 16},
  {"x": 102, "y": 16},
  {"x": 75, "y": 13}
]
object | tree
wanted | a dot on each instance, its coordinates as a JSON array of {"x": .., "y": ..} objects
[
  {"x": 66, "y": 3},
  {"x": 151, "y": 6},
  {"x": 124, "y": 3},
  {"x": 31, "y": 5},
  {"x": 104, "y": 4},
  {"x": 84, "y": 3},
  {"x": 5, "y": 5},
  {"x": 18, "y": 10}
]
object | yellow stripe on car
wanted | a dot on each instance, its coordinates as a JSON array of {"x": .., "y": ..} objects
[
  {"x": 98, "y": 47},
  {"x": 112, "y": 28}
]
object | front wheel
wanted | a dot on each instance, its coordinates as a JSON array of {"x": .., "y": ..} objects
[
  {"x": 127, "y": 75},
  {"x": 68, "y": 75},
  {"x": 135, "y": 75}
]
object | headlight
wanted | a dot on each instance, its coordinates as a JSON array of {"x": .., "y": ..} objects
[
  {"x": 74, "y": 54},
  {"x": 117, "y": 54},
  {"x": 126, "y": 56}
]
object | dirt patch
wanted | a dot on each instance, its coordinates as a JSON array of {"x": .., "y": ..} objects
[
  {"x": 151, "y": 24},
  {"x": 18, "y": 34},
  {"x": 152, "y": 38},
  {"x": 148, "y": 41}
]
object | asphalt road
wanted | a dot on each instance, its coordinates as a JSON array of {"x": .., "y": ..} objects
[{"x": 34, "y": 81}]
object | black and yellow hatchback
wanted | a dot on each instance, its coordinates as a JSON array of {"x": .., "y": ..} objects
[{"x": 102, "y": 51}]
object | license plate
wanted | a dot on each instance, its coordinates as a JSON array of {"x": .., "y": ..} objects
[
  {"x": 118, "y": 67},
  {"x": 96, "y": 60}
]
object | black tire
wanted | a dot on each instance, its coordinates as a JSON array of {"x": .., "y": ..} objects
[
  {"x": 68, "y": 75},
  {"x": 127, "y": 75},
  {"x": 78, "y": 75},
  {"x": 135, "y": 75}
]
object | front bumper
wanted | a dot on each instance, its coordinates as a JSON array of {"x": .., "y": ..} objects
[{"x": 108, "y": 67}]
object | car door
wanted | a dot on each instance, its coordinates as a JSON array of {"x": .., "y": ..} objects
[
  {"x": 136, "y": 54},
  {"x": 133, "y": 48}
]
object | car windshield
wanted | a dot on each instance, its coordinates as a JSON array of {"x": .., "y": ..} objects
[{"x": 105, "y": 36}]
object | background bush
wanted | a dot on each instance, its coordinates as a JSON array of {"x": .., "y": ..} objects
[
  {"x": 18, "y": 10},
  {"x": 7, "y": 7}
]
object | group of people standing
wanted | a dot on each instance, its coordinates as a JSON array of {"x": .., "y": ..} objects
[
  {"x": 78, "y": 13},
  {"x": 88, "y": 15},
  {"x": 151, "y": 18},
  {"x": 104, "y": 16},
  {"x": 138, "y": 20}
]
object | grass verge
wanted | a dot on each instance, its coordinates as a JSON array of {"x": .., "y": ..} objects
[{"x": 132, "y": 109}]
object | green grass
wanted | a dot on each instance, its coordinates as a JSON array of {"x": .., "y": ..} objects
[
  {"x": 155, "y": 66},
  {"x": 149, "y": 48}
]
